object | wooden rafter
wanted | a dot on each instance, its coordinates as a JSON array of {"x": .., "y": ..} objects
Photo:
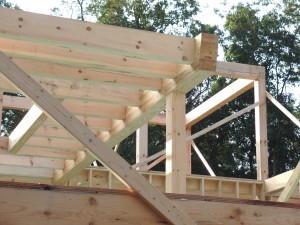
[{"x": 95, "y": 146}]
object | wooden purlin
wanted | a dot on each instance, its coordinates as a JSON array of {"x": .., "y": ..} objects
[
  {"x": 154, "y": 198},
  {"x": 58, "y": 205}
]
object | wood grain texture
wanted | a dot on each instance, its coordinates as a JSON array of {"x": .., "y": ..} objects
[
  {"x": 69, "y": 205},
  {"x": 96, "y": 147}
]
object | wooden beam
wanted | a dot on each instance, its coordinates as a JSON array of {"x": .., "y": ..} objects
[
  {"x": 237, "y": 70},
  {"x": 27, "y": 172},
  {"x": 223, "y": 121},
  {"x": 16, "y": 102},
  {"x": 58, "y": 205},
  {"x": 218, "y": 100},
  {"x": 284, "y": 110},
  {"x": 188, "y": 151},
  {"x": 142, "y": 145},
  {"x": 152, "y": 103},
  {"x": 31, "y": 161},
  {"x": 149, "y": 159},
  {"x": 118, "y": 66},
  {"x": 203, "y": 160},
  {"x": 277, "y": 183},
  {"x": 97, "y": 149},
  {"x": 155, "y": 162},
  {"x": 33, "y": 119},
  {"x": 94, "y": 37},
  {"x": 175, "y": 144},
  {"x": 291, "y": 185},
  {"x": 261, "y": 127}
]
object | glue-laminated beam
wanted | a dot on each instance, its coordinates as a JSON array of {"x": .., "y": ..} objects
[
  {"x": 95, "y": 146},
  {"x": 33, "y": 119},
  {"x": 95, "y": 37}
]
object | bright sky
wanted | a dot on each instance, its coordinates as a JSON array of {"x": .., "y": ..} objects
[{"x": 207, "y": 15}]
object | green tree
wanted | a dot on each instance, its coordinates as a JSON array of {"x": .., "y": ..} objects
[{"x": 271, "y": 40}]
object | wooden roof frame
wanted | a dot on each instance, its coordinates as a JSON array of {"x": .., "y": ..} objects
[{"x": 89, "y": 86}]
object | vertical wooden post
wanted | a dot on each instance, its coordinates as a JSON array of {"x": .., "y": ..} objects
[
  {"x": 175, "y": 144},
  {"x": 142, "y": 145},
  {"x": 188, "y": 152},
  {"x": 261, "y": 128}
]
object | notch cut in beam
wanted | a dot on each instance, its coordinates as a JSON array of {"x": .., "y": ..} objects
[
  {"x": 32, "y": 120},
  {"x": 98, "y": 149}
]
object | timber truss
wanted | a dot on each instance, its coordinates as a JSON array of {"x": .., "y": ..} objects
[{"x": 89, "y": 86}]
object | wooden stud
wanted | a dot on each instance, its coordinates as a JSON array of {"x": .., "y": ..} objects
[
  {"x": 291, "y": 185},
  {"x": 261, "y": 127},
  {"x": 175, "y": 143},
  {"x": 154, "y": 198},
  {"x": 142, "y": 145},
  {"x": 33, "y": 119},
  {"x": 149, "y": 159}
]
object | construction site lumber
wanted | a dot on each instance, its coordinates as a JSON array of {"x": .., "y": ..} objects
[{"x": 73, "y": 205}]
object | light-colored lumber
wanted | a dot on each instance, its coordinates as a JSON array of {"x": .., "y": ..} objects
[
  {"x": 32, "y": 120},
  {"x": 25, "y": 172},
  {"x": 155, "y": 162},
  {"x": 152, "y": 103},
  {"x": 291, "y": 185},
  {"x": 175, "y": 144},
  {"x": 3, "y": 143},
  {"x": 237, "y": 70},
  {"x": 16, "y": 102},
  {"x": 218, "y": 100},
  {"x": 203, "y": 160},
  {"x": 261, "y": 127},
  {"x": 47, "y": 152},
  {"x": 98, "y": 149},
  {"x": 223, "y": 121},
  {"x": 188, "y": 151},
  {"x": 58, "y": 205},
  {"x": 160, "y": 119},
  {"x": 277, "y": 183},
  {"x": 119, "y": 66},
  {"x": 283, "y": 109},
  {"x": 141, "y": 145},
  {"x": 149, "y": 159},
  {"x": 95, "y": 37},
  {"x": 67, "y": 89},
  {"x": 31, "y": 161}
]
